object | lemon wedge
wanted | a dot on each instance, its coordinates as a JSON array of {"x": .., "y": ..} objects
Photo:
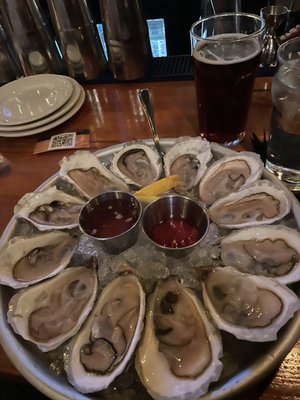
[{"x": 152, "y": 191}]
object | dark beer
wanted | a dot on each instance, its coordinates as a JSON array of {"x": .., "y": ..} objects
[{"x": 225, "y": 74}]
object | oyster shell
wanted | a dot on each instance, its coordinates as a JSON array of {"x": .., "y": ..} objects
[
  {"x": 229, "y": 174},
  {"x": 179, "y": 352},
  {"x": 264, "y": 250},
  {"x": 250, "y": 307},
  {"x": 50, "y": 312},
  {"x": 31, "y": 259},
  {"x": 138, "y": 164},
  {"x": 103, "y": 347},
  {"x": 50, "y": 209},
  {"x": 262, "y": 203},
  {"x": 88, "y": 175},
  {"x": 188, "y": 158}
]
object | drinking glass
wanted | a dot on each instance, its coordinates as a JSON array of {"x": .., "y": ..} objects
[
  {"x": 226, "y": 51},
  {"x": 283, "y": 152}
]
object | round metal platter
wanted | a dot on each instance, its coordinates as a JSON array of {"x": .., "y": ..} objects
[{"x": 245, "y": 363}]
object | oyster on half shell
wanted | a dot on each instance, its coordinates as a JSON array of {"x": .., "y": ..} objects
[
  {"x": 188, "y": 158},
  {"x": 138, "y": 164},
  {"x": 105, "y": 344},
  {"x": 229, "y": 174},
  {"x": 250, "y": 307},
  {"x": 50, "y": 209},
  {"x": 262, "y": 203},
  {"x": 88, "y": 175},
  {"x": 26, "y": 260},
  {"x": 50, "y": 312},
  {"x": 272, "y": 250},
  {"x": 179, "y": 352}
]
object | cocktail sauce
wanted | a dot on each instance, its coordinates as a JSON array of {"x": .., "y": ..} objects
[
  {"x": 111, "y": 218},
  {"x": 175, "y": 233}
]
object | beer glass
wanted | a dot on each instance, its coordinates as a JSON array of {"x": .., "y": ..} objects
[
  {"x": 283, "y": 152},
  {"x": 226, "y": 51}
]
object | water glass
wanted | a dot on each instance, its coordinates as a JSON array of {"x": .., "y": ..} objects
[
  {"x": 283, "y": 153},
  {"x": 226, "y": 51}
]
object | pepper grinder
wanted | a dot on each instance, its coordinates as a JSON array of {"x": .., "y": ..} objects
[{"x": 276, "y": 20}]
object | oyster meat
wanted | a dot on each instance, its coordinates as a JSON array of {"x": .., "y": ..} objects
[
  {"x": 50, "y": 312},
  {"x": 250, "y": 307},
  {"x": 179, "y": 352},
  {"x": 88, "y": 175},
  {"x": 188, "y": 158},
  {"x": 264, "y": 250},
  {"x": 50, "y": 209},
  {"x": 31, "y": 259},
  {"x": 138, "y": 164},
  {"x": 229, "y": 174},
  {"x": 262, "y": 203},
  {"x": 104, "y": 346}
]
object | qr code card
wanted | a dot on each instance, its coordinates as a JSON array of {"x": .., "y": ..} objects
[{"x": 62, "y": 141}]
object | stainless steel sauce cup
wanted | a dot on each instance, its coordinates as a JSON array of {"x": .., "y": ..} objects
[
  {"x": 175, "y": 207},
  {"x": 120, "y": 242}
]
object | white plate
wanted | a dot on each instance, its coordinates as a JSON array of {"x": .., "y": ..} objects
[
  {"x": 33, "y": 97},
  {"x": 52, "y": 124},
  {"x": 46, "y": 120},
  {"x": 246, "y": 363}
]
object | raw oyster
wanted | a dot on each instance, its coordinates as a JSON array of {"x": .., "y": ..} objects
[
  {"x": 50, "y": 312},
  {"x": 264, "y": 250},
  {"x": 88, "y": 175},
  {"x": 187, "y": 158},
  {"x": 31, "y": 259},
  {"x": 262, "y": 203},
  {"x": 103, "y": 347},
  {"x": 50, "y": 209},
  {"x": 179, "y": 352},
  {"x": 229, "y": 174},
  {"x": 250, "y": 307},
  {"x": 138, "y": 164}
]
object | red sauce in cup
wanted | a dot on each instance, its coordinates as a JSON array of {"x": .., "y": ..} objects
[{"x": 175, "y": 233}]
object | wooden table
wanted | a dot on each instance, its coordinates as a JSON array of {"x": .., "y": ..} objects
[{"x": 113, "y": 114}]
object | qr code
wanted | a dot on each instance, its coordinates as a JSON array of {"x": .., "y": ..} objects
[{"x": 62, "y": 141}]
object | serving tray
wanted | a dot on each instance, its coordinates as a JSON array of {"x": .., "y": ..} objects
[{"x": 245, "y": 363}]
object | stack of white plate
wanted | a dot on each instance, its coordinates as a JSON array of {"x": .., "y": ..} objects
[{"x": 37, "y": 103}]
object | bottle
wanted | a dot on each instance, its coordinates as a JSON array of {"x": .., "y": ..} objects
[
  {"x": 10, "y": 68},
  {"x": 27, "y": 29},
  {"x": 78, "y": 38},
  {"x": 127, "y": 38}
]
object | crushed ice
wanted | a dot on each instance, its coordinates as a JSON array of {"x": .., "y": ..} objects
[{"x": 151, "y": 264}]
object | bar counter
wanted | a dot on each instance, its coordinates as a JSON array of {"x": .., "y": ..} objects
[{"x": 112, "y": 114}]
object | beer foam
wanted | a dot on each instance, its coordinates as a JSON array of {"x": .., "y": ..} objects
[{"x": 227, "y": 51}]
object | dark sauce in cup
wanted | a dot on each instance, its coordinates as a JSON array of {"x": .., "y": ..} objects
[
  {"x": 111, "y": 218},
  {"x": 175, "y": 234}
]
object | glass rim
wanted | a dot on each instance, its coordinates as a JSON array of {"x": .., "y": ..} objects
[
  {"x": 231, "y": 14},
  {"x": 283, "y": 9}
]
